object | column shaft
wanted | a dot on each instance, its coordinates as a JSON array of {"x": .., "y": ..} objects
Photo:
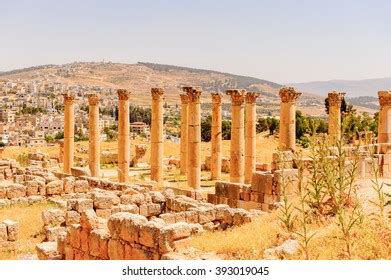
[
  {"x": 237, "y": 136},
  {"x": 184, "y": 128},
  {"x": 157, "y": 147},
  {"x": 287, "y": 133},
  {"x": 335, "y": 101},
  {"x": 123, "y": 136},
  {"x": 384, "y": 126},
  {"x": 69, "y": 132},
  {"x": 216, "y": 138},
  {"x": 93, "y": 135},
  {"x": 193, "y": 169},
  {"x": 250, "y": 136}
]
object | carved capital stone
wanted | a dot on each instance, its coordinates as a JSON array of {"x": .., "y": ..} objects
[
  {"x": 93, "y": 99},
  {"x": 251, "y": 97},
  {"x": 335, "y": 98},
  {"x": 123, "y": 94},
  {"x": 237, "y": 96},
  {"x": 216, "y": 97},
  {"x": 157, "y": 93},
  {"x": 384, "y": 98},
  {"x": 184, "y": 98},
  {"x": 194, "y": 95},
  {"x": 69, "y": 98},
  {"x": 187, "y": 89},
  {"x": 288, "y": 94}
]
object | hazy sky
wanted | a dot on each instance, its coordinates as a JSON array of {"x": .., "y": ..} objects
[{"x": 282, "y": 41}]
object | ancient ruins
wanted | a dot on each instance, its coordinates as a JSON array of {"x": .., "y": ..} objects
[{"x": 101, "y": 219}]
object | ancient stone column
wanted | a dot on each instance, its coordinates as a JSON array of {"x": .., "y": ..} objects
[
  {"x": 237, "y": 135},
  {"x": 335, "y": 101},
  {"x": 215, "y": 159},
  {"x": 184, "y": 126},
  {"x": 287, "y": 132},
  {"x": 193, "y": 169},
  {"x": 157, "y": 136},
  {"x": 93, "y": 135},
  {"x": 250, "y": 136},
  {"x": 69, "y": 131},
  {"x": 384, "y": 127},
  {"x": 123, "y": 136}
]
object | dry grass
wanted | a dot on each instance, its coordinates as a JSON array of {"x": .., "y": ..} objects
[
  {"x": 30, "y": 222},
  {"x": 243, "y": 242},
  {"x": 250, "y": 240}
]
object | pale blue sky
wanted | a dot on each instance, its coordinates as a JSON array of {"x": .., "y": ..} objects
[{"x": 282, "y": 41}]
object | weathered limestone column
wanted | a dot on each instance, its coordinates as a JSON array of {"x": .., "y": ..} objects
[
  {"x": 215, "y": 159},
  {"x": 69, "y": 131},
  {"x": 157, "y": 136},
  {"x": 93, "y": 135},
  {"x": 184, "y": 127},
  {"x": 193, "y": 169},
  {"x": 287, "y": 132},
  {"x": 237, "y": 135},
  {"x": 250, "y": 136},
  {"x": 335, "y": 101},
  {"x": 384, "y": 127},
  {"x": 123, "y": 136}
]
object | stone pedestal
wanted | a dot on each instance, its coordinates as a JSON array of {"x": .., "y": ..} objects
[
  {"x": 123, "y": 136},
  {"x": 215, "y": 160},
  {"x": 384, "y": 127},
  {"x": 184, "y": 127},
  {"x": 237, "y": 135},
  {"x": 157, "y": 136},
  {"x": 93, "y": 135},
  {"x": 69, "y": 131},
  {"x": 193, "y": 169},
  {"x": 250, "y": 136},
  {"x": 287, "y": 132},
  {"x": 335, "y": 101}
]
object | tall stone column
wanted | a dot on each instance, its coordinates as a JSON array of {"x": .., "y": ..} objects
[
  {"x": 287, "y": 132},
  {"x": 237, "y": 135},
  {"x": 123, "y": 136},
  {"x": 250, "y": 136},
  {"x": 215, "y": 159},
  {"x": 157, "y": 136},
  {"x": 384, "y": 126},
  {"x": 184, "y": 127},
  {"x": 69, "y": 131},
  {"x": 93, "y": 135},
  {"x": 193, "y": 169},
  {"x": 335, "y": 101}
]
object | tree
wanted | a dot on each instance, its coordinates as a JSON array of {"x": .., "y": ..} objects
[
  {"x": 59, "y": 135},
  {"x": 206, "y": 127},
  {"x": 226, "y": 130}
]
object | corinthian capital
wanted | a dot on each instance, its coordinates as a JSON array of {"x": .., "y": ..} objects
[
  {"x": 335, "y": 98},
  {"x": 157, "y": 93},
  {"x": 216, "y": 97},
  {"x": 93, "y": 99},
  {"x": 384, "y": 98},
  {"x": 237, "y": 96},
  {"x": 69, "y": 98},
  {"x": 251, "y": 97},
  {"x": 289, "y": 94},
  {"x": 194, "y": 95},
  {"x": 123, "y": 94}
]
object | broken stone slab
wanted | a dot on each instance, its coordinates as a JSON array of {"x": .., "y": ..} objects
[
  {"x": 47, "y": 251},
  {"x": 12, "y": 229}
]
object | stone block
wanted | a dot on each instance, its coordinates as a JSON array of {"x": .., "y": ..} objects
[
  {"x": 32, "y": 188},
  {"x": 54, "y": 188},
  {"x": 69, "y": 253},
  {"x": 98, "y": 243},
  {"x": 168, "y": 218},
  {"x": 47, "y": 251},
  {"x": 84, "y": 204},
  {"x": 53, "y": 217},
  {"x": 150, "y": 209},
  {"x": 3, "y": 192},
  {"x": 262, "y": 182},
  {"x": 103, "y": 213},
  {"x": 3, "y": 232},
  {"x": 52, "y": 233},
  {"x": 89, "y": 220},
  {"x": 116, "y": 250},
  {"x": 81, "y": 186},
  {"x": 149, "y": 234},
  {"x": 12, "y": 229},
  {"x": 73, "y": 232},
  {"x": 69, "y": 184},
  {"x": 105, "y": 200},
  {"x": 72, "y": 217},
  {"x": 16, "y": 191}
]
